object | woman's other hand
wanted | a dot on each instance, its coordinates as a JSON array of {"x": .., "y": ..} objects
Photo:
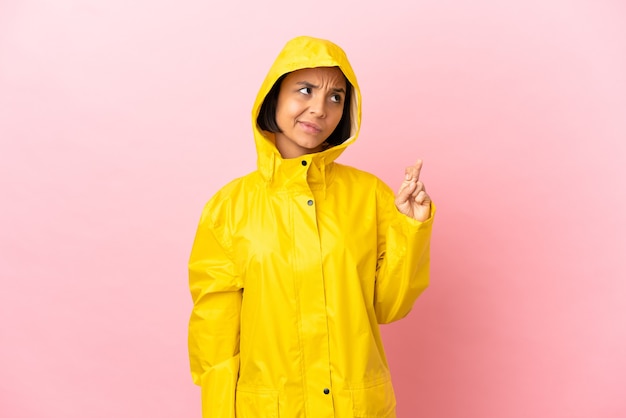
[{"x": 412, "y": 199}]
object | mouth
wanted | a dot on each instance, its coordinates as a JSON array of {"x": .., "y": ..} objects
[{"x": 309, "y": 127}]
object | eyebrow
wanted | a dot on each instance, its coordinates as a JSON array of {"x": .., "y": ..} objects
[{"x": 310, "y": 85}]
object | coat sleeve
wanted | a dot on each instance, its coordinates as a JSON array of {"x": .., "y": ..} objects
[
  {"x": 403, "y": 268},
  {"x": 214, "y": 324}
]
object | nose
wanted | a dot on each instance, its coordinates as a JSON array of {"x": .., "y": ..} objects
[{"x": 317, "y": 106}]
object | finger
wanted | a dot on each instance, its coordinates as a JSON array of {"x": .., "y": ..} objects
[
  {"x": 419, "y": 186},
  {"x": 406, "y": 183},
  {"x": 413, "y": 172},
  {"x": 417, "y": 168},
  {"x": 405, "y": 192},
  {"x": 422, "y": 198}
]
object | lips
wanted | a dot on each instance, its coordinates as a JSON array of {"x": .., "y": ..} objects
[{"x": 310, "y": 128}]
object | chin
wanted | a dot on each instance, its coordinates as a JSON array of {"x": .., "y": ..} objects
[{"x": 310, "y": 144}]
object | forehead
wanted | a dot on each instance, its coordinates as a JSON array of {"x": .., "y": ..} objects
[{"x": 319, "y": 75}]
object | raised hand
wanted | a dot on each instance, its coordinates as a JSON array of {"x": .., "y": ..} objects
[{"x": 412, "y": 199}]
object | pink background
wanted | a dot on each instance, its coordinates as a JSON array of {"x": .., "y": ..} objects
[{"x": 119, "y": 119}]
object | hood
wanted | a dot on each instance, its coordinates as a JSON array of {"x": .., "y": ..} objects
[{"x": 298, "y": 53}]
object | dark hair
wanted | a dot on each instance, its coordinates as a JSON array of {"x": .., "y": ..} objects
[{"x": 267, "y": 115}]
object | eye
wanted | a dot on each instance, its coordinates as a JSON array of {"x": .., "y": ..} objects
[
  {"x": 305, "y": 90},
  {"x": 335, "y": 98}
]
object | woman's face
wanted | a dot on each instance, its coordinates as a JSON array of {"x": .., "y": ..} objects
[{"x": 309, "y": 108}]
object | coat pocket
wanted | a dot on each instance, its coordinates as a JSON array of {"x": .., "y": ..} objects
[
  {"x": 376, "y": 401},
  {"x": 256, "y": 403}
]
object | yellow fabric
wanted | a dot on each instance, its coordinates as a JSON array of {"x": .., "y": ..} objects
[{"x": 292, "y": 270}]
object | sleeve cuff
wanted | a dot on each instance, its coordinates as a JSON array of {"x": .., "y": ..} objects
[{"x": 419, "y": 224}]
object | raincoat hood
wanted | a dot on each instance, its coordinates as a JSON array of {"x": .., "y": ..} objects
[{"x": 299, "y": 53}]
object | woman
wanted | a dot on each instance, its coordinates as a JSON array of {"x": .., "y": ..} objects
[{"x": 295, "y": 265}]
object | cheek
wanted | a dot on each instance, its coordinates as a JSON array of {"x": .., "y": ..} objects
[
  {"x": 287, "y": 110},
  {"x": 294, "y": 108}
]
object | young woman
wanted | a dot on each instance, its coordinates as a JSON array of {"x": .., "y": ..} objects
[{"x": 295, "y": 265}]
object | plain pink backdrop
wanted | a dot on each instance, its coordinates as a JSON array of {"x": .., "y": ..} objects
[{"x": 118, "y": 120}]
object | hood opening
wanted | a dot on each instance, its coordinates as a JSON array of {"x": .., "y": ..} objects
[{"x": 266, "y": 119}]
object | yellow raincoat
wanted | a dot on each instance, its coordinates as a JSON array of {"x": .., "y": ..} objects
[{"x": 292, "y": 270}]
